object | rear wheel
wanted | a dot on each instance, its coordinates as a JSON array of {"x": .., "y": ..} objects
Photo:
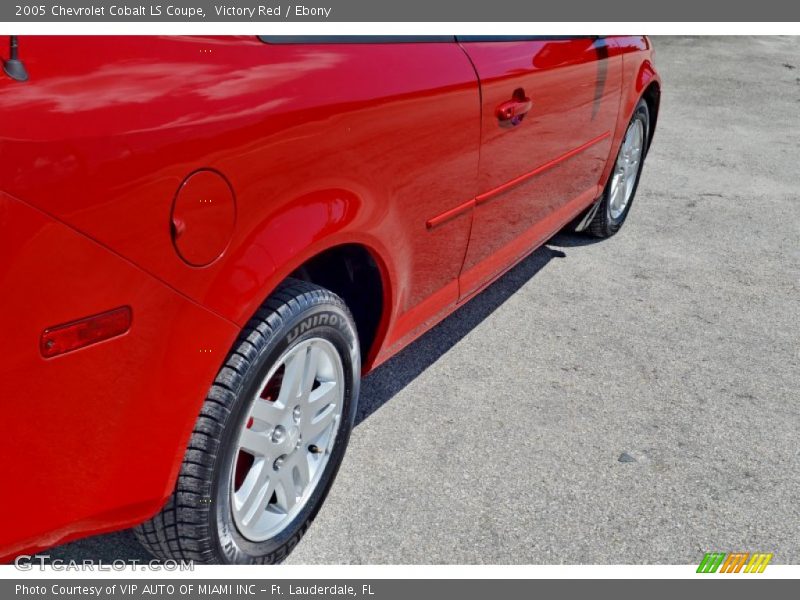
[
  {"x": 624, "y": 179},
  {"x": 270, "y": 437}
]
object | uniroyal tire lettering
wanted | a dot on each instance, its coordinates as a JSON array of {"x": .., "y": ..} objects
[{"x": 330, "y": 319}]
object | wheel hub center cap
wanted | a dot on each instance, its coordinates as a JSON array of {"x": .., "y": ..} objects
[{"x": 293, "y": 436}]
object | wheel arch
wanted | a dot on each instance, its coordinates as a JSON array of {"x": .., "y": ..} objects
[
  {"x": 652, "y": 95},
  {"x": 648, "y": 88},
  {"x": 357, "y": 274},
  {"x": 349, "y": 266}
]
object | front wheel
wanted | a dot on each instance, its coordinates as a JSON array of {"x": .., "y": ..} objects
[
  {"x": 270, "y": 437},
  {"x": 624, "y": 179}
]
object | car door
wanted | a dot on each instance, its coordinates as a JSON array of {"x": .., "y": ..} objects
[
  {"x": 397, "y": 120},
  {"x": 549, "y": 106}
]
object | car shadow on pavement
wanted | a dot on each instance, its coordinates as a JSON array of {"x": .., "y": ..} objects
[
  {"x": 387, "y": 380},
  {"x": 573, "y": 240},
  {"x": 378, "y": 388}
]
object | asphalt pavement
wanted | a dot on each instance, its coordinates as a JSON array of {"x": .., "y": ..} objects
[{"x": 633, "y": 400}]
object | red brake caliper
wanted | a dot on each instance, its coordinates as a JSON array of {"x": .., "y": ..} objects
[{"x": 245, "y": 461}]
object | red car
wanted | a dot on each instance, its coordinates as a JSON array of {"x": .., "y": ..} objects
[{"x": 207, "y": 241}]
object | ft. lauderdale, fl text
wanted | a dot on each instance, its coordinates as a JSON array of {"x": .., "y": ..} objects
[{"x": 322, "y": 590}]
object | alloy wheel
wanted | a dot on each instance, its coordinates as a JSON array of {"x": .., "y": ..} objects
[
  {"x": 626, "y": 169},
  {"x": 286, "y": 439}
]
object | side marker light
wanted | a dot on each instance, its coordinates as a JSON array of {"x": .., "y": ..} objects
[{"x": 85, "y": 332}]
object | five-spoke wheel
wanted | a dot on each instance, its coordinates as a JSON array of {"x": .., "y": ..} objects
[
  {"x": 626, "y": 169},
  {"x": 615, "y": 203},
  {"x": 286, "y": 438},
  {"x": 270, "y": 436}
]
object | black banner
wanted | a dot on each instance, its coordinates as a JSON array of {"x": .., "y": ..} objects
[
  {"x": 210, "y": 11},
  {"x": 390, "y": 589}
]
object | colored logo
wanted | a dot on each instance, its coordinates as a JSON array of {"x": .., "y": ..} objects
[{"x": 735, "y": 562}]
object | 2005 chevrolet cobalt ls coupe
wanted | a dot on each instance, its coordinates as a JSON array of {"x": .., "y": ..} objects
[{"x": 207, "y": 241}]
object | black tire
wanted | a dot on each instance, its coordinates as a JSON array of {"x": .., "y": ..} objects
[
  {"x": 604, "y": 225},
  {"x": 196, "y": 523}
]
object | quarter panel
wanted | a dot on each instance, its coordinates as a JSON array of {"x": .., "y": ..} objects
[
  {"x": 321, "y": 144},
  {"x": 94, "y": 437}
]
